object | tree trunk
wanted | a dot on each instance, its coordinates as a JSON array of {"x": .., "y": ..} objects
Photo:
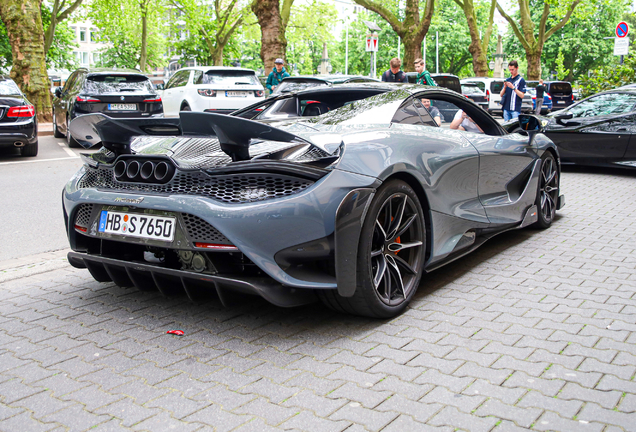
[
  {"x": 217, "y": 55},
  {"x": 23, "y": 21},
  {"x": 273, "y": 42},
  {"x": 412, "y": 50},
  {"x": 143, "y": 56},
  {"x": 480, "y": 62},
  {"x": 534, "y": 64}
]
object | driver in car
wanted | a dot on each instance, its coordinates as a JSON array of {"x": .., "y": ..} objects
[
  {"x": 437, "y": 116},
  {"x": 464, "y": 123}
]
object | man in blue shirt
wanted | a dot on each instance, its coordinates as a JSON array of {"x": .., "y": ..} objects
[{"x": 512, "y": 93}]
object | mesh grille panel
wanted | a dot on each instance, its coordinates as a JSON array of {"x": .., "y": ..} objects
[
  {"x": 201, "y": 231},
  {"x": 233, "y": 189},
  {"x": 83, "y": 216}
]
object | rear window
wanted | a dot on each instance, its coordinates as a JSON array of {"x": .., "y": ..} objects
[
  {"x": 479, "y": 84},
  {"x": 451, "y": 83},
  {"x": 496, "y": 86},
  {"x": 117, "y": 83},
  {"x": 564, "y": 88},
  {"x": 228, "y": 77},
  {"x": 471, "y": 89},
  {"x": 8, "y": 88}
]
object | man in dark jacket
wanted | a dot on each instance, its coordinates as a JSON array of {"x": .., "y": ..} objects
[
  {"x": 540, "y": 90},
  {"x": 395, "y": 74},
  {"x": 276, "y": 75}
]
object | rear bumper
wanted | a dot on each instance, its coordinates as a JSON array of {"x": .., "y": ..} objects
[
  {"x": 24, "y": 132},
  {"x": 147, "y": 277}
]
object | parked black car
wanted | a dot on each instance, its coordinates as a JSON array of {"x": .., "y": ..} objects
[
  {"x": 448, "y": 81},
  {"x": 120, "y": 93},
  {"x": 561, "y": 94},
  {"x": 18, "y": 122},
  {"x": 599, "y": 130}
]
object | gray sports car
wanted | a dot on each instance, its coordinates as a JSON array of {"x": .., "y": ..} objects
[{"x": 351, "y": 207}]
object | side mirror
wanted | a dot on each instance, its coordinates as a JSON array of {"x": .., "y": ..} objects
[
  {"x": 560, "y": 117},
  {"x": 531, "y": 124},
  {"x": 58, "y": 92}
]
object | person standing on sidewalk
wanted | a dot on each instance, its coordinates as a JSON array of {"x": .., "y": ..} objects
[
  {"x": 540, "y": 90},
  {"x": 423, "y": 76},
  {"x": 512, "y": 93},
  {"x": 395, "y": 74},
  {"x": 276, "y": 75}
]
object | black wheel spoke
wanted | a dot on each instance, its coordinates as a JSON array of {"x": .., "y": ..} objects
[
  {"x": 394, "y": 271},
  {"x": 397, "y": 219},
  {"x": 406, "y": 266},
  {"x": 406, "y": 226}
]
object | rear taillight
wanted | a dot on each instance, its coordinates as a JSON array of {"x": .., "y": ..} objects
[
  {"x": 21, "y": 111},
  {"x": 207, "y": 92},
  {"x": 572, "y": 96},
  {"x": 259, "y": 93},
  {"x": 86, "y": 99},
  {"x": 487, "y": 95},
  {"x": 549, "y": 97},
  {"x": 158, "y": 99}
]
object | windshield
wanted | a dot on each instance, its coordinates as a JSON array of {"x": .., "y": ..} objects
[
  {"x": 604, "y": 104},
  {"x": 471, "y": 89},
  {"x": 103, "y": 84},
  {"x": 8, "y": 88},
  {"x": 374, "y": 110},
  {"x": 228, "y": 78}
]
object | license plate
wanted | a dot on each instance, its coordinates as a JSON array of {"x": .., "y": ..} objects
[
  {"x": 235, "y": 94},
  {"x": 137, "y": 225},
  {"x": 122, "y": 107},
  {"x": 560, "y": 102}
]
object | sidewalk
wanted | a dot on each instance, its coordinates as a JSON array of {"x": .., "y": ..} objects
[{"x": 45, "y": 129}]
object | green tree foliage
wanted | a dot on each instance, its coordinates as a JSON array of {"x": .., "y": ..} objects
[
  {"x": 580, "y": 40},
  {"x": 609, "y": 77},
  {"x": 59, "y": 55},
  {"x": 126, "y": 45},
  {"x": 561, "y": 71},
  {"x": 200, "y": 23},
  {"x": 309, "y": 26}
]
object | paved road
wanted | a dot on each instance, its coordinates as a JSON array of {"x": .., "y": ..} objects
[
  {"x": 536, "y": 330},
  {"x": 31, "y": 216}
]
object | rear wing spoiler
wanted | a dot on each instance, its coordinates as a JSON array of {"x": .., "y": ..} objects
[{"x": 235, "y": 134}]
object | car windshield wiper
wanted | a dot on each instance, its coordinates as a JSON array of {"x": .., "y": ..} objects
[{"x": 242, "y": 83}]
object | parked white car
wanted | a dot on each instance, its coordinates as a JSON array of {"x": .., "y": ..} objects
[
  {"x": 492, "y": 87},
  {"x": 212, "y": 89}
]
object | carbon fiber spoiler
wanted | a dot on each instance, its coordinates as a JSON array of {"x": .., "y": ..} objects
[{"x": 235, "y": 134}]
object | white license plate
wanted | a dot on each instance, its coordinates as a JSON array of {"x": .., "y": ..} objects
[
  {"x": 122, "y": 107},
  {"x": 235, "y": 94},
  {"x": 560, "y": 102},
  {"x": 137, "y": 225}
]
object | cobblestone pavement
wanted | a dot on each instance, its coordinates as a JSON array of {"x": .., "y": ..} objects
[{"x": 536, "y": 330}]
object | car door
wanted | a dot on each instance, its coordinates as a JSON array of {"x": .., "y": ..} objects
[
  {"x": 629, "y": 124},
  {"x": 599, "y": 128},
  {"x": 174, "y": 92},
  {"x": 60, "y": 104},
  {"x": 505, "y": 161}
]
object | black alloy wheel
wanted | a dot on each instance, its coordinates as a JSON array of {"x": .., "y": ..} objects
[
  {"x": 548, "y": 191},
  {"x": 391, "y": 255},
  {"x": 56, "y": 131}
]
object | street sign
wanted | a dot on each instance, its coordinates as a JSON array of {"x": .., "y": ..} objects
[
  {"x": 372, "y": 43},
  {"x": 621, "y": 46},
  {"x": 622, "y": 29}
]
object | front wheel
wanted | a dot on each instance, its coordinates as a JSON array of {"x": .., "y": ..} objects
[
  {"x": 391, "y": 255},
  {"x": 547, "y": 191}
]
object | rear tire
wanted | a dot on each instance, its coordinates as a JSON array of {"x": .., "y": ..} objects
[
  {"x": 391, "y": 255},
  {"x": 185, "y": 107},
  {"x": 547, "y": 191},
  {"x": 56, "y": 132},
  {"x": 70, "y": 141},
  {"x": 30, "y": 150}
]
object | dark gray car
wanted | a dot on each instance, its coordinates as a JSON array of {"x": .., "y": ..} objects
[{"x": 351, "y": 207}]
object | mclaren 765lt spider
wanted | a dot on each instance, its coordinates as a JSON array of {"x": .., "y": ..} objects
[{"x": 351, "y": 207}]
